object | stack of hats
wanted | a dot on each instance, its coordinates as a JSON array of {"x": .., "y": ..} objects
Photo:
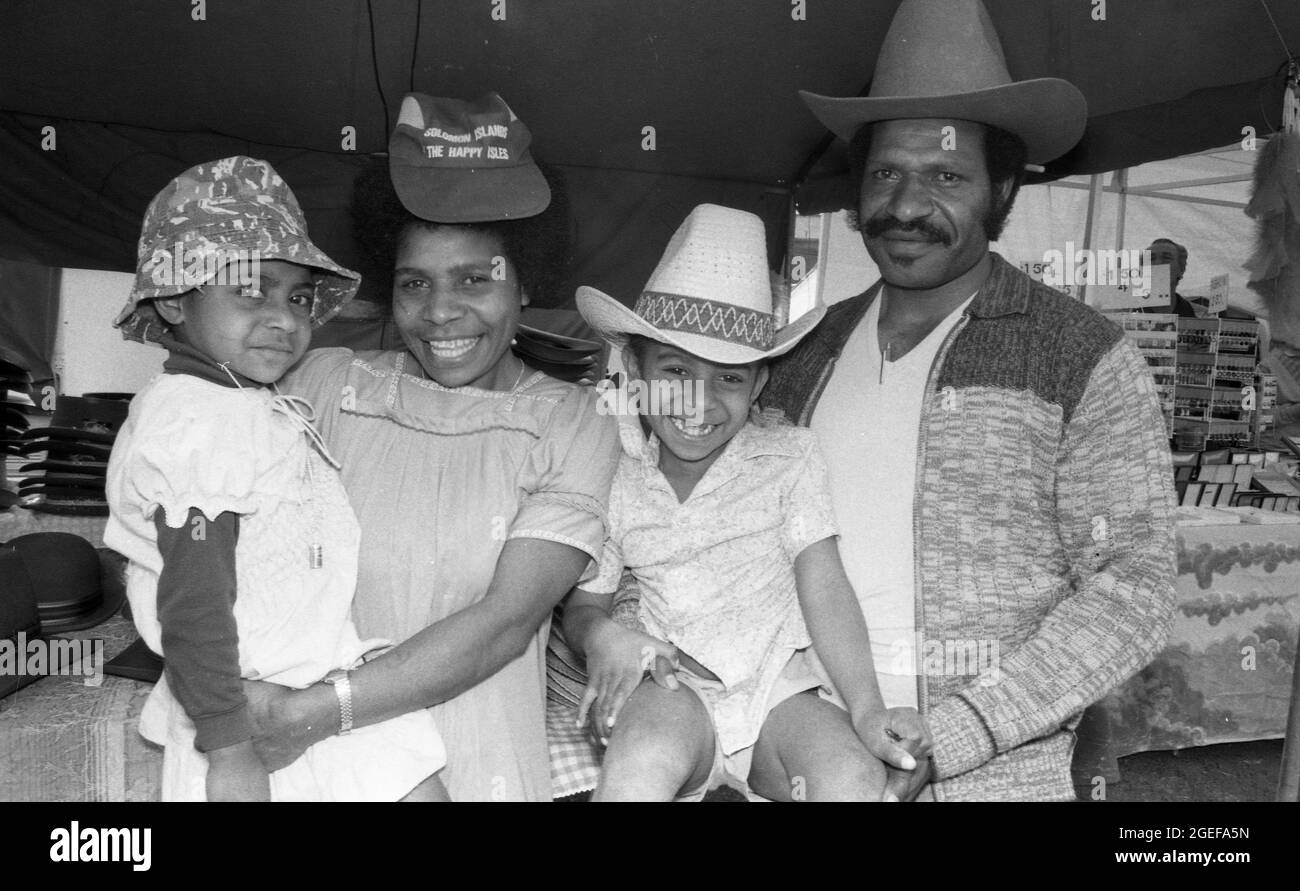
[
  {"x": 567, "y": 358},
  {"x": 14, "y": 384},
  {"x": 69, "y": 478}
]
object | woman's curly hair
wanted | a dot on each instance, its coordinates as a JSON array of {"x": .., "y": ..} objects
[{"x": 537, "y": 246}]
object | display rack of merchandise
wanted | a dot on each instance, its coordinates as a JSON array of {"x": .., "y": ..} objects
[
  {"x": 1216, "y": 395},
  {"x": 1156, "y": 337}
]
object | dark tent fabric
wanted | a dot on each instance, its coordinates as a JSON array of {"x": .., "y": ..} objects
[
  {"x": 29, "y": 308},
  {"x": 137, "y": 91}
]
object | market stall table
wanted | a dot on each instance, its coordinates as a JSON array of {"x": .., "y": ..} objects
[
  {"x": 63, "y": 740},
  {"x": 1226, "y": 673}
]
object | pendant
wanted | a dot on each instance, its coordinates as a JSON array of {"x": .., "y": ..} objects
[{"x": 315, "y": 558}]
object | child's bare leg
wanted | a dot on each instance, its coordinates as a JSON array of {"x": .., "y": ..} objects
[
  {"x": 662, "y": 744},
  {"x": 431, "y": 789},
  {"x": 808, "y": 750}
]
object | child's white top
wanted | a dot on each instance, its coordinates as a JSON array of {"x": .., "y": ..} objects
[
  {"x": 191, "y": 443},
  {"x": 717, "y": 571}
]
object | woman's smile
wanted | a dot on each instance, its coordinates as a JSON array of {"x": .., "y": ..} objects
[{"x": 449, "y": 350}]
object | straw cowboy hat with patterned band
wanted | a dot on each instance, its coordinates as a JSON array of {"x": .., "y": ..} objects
[
  {"x": 710, "y": 295},
  {"x": 943, "y": 59}
]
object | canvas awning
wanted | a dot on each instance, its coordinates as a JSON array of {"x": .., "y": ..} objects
[{"x": 137, "y": 91}]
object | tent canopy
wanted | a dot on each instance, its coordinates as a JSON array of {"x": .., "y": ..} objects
[{"x": 137, "y": 91}]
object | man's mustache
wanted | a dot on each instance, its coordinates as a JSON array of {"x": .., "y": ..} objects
[{"x": 879, "y": 226}]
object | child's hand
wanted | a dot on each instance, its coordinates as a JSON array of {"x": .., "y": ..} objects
[
  {"x": 897, "y": 736},
  {"x": 617, "y": 660},
  {"x": 235, "y": 773}
]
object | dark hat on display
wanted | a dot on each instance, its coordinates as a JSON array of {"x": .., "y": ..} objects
[
  {"x": 69, "y": 476},
  {"x": 230, "y": 211},
  {"x": 73, "y": 588},
  {"x": 457, "y": 161},
  {"x": 943, "y": 59},
  {"x": 18, "y": 615},
  {"x": 14, "y": 383},
  {"x": 14, "y": 420},
  {"x": 569, "y": 359}
]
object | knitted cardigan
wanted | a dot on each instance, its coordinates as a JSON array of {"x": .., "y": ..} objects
[{"x": 1043, "y": 522}]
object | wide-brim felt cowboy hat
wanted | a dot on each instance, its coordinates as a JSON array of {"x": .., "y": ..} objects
[
  {"x": 90, "y": 507},
  {"x": 65, "y": 485},
  {"x": 70, "y": 434},
  {"x": 710, "y": 295},
  {"x": 88, "y": 468},
  {"x": 942, "y": 59},
  {"x": 56, "y": 448}
]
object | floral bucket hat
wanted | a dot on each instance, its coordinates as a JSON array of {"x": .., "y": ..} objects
[{"x": 216, "y": 221}]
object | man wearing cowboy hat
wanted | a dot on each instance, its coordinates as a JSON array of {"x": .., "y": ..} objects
[{"x": 998, "y": 460}]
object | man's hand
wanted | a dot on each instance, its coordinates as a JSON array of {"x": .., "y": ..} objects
[
  {"x": 235, "y": 773},
  {"x": 617, "y": 660},
  {"x": 905, "y": 785},
  {"x": 897, "y": 736},
  {"x": 907, "y": 730},
  {"x": 277, "y": 741},
  {"x": 900, "y": 739}
]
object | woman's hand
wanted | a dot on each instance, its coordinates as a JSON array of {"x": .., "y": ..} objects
[
  {"x": 287, "y": 722},
  {"x": 617, "y": 660},
  {"x": 235, "y": 773}
]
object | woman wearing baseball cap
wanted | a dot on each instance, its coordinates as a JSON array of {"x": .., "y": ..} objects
[{"x": 480, "y": 484}]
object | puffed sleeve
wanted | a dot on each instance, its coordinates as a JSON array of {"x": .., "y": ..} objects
[
  {"x": 809, "y": 514},
  {"x": 566, "y": 477},
  {"x": 214, "y": 449}
]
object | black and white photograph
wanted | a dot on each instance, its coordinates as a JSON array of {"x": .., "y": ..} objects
[{"x": 562, "y": 401}]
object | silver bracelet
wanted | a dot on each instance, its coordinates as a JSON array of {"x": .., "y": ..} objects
[{"x": 342, "y": 685}]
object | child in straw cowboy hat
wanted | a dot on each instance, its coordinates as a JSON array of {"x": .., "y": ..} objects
[
  {"x": 727, "y": 526},
  {"x": 242, "y": 544}
]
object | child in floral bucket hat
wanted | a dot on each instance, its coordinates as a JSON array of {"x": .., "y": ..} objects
[
  {"x": 726, "y": 523},
  {"x": 220, "y": 220},
  {"x": 241, "y": 541}
]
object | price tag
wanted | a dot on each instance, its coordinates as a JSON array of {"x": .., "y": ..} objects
[
  {"x": 1161, "y": 291},
  {"x": 1219, "y": 293},
  {"x": 1037, "y": 269},
  {"x": 1111, "y": 297},
  {"x": 1128, "y": 294}
]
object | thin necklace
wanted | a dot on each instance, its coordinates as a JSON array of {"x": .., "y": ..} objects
[
  {"x": 522, "y": 369},
  {"x": 887, "y": 353}
]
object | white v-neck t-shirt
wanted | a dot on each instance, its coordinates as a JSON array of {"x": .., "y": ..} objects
[{"x": 868, "y": 423}]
